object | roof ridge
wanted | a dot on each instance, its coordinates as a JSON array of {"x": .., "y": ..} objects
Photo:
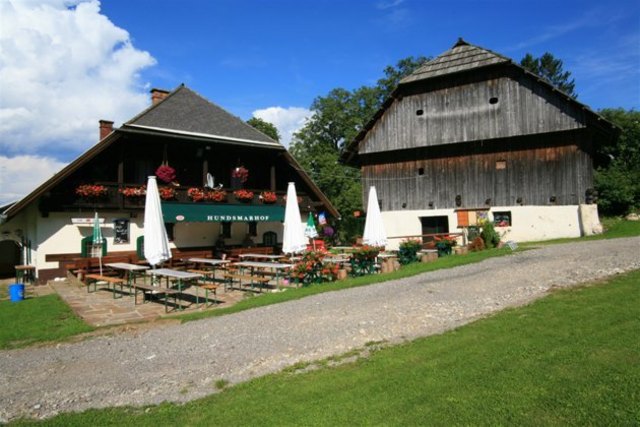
[{"x": 153, "y": 106}]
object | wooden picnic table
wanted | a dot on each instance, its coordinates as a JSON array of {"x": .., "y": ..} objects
[
  {"x": 95, "y": 278},
  {"x": 25, "y": 273},
  {"x": 131, "y": 271},
  {"x": 274, "y": 266},
  {"x": 180, "y": 277},
  {"x": 261, "y": 256}
]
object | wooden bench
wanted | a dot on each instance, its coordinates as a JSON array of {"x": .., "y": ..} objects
[
  {"x": 208, "y": 287},
  {"x": 240, "y": 277},
  {"x": 109, "y": 280},
  {"x": 156, "y": 290}
]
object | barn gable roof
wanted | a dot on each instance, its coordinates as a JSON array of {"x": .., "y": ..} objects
[{"x": 461, "y": 57}]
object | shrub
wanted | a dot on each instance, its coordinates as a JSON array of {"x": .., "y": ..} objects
[
  {"x": 489, "y": 235},
  {"x": 408, "y": 251}
]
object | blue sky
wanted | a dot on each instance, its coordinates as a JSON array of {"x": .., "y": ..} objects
[{"x": 65, "y": 64}]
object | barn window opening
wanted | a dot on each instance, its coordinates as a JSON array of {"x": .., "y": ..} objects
[
  {"x": 502, "y": 219},
  {"x": 501, "y": 164},
  {"x": 419, "y": 112},
  {"x": 493, "y": 100},
  {"x": 420, "y": 171}
]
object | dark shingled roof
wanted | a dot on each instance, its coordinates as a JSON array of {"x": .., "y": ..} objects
[
  {"x": 185, "y": 111},
  {"x": 461, "y": 57}
]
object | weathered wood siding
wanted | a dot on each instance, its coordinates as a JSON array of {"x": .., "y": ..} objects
[
  {"x": 462, "y": 112},
  {"x": 532, "y": 173}
]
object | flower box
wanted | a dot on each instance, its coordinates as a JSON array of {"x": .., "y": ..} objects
[{"x": 91, "y": 191}]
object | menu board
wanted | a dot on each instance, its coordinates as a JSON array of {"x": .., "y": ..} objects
[{"x": 121, "y": 227}]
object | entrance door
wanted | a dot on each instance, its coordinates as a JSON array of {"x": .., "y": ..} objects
[
  {"x": 9, "y": 258},
  {"x": 434, "y": 225}
]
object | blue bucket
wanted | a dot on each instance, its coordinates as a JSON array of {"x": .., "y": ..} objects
[{"x": 16, "y": 292}]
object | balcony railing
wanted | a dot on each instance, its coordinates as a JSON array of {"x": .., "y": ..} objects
[{"x": 115, "y": 199}]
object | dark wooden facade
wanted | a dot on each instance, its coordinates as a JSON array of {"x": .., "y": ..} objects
[{"x": 490, "y": 135}]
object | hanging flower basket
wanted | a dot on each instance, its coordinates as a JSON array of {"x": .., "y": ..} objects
[
  {"x": 243, "y": 195},
  {"x": 133, "y": 192},
  {"x": 167, "y": 193},
  {"x": 268, "y": 197},
  {"x": 166, "y": 173},
  {"x": 91, "y": 191},
  {"x": 218, "y": 196},
  {"x": 241, "y": 174}
]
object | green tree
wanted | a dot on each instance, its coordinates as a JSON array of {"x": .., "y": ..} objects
[
  {"x": 617, "y": 161},
  {"x": 265, "y": 127},
  {"x": 337, "y": 119},
  {"x": 551, "y": 69}
]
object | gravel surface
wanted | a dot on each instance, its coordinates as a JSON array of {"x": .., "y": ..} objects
[{"x": 182, "y": 362}]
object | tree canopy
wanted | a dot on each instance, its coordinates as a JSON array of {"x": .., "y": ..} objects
[
  {"x": 337, "y": 118},
  {"x": 617, "y": 176},
  {"x": 551, "y": 69},
  {"x": 265, "y": 127}
]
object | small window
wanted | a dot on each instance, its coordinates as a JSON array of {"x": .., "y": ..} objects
[
  {"x": 169, "y": 226},
  {"x": 253, "y": 229},
  {"x": 501, "y": 164},
  {"x": 419, "y": 112},
  {"x": 493, "y": 100},
  {"x": 502, "y": 219},
  {"x": 226, "y": 230},
  {"x": 420, "y": 171}
]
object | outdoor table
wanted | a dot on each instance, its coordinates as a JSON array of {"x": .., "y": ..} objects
[
  {"x": 261, "y": 256},
  {"x": 180, "y": 276},
  {"x": 25, "y": 272},
  {"x": 277, "y": 266},
  {"x": 213, "y": 262},
  {"x": 131, "y": 271}
]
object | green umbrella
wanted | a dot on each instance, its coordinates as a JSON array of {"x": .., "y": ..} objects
[
  {"x": 97, "y": 238},
  {"x": 310, "y": 230}
]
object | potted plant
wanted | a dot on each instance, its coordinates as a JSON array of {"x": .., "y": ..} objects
[
  {"x": 268, "y": 197},
  {"x": 133, "y": 192},
  {"x": 167, "y": 193},
  {"x": 91, "y": 191},
  {"x": 166, "y": 173},
  {"x": 244, "y": 196},
  {"x": 363, "y": 260},
  {"x": 444, "y": 245},
  {"x": 217, "y": 196},
  {"x": 239, "y": 176},
  {"x": 196, "y": 194}
]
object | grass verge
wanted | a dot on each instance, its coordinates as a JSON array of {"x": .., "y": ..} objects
[
  {"x": 569, "y": 359},
  {"x": 45, "y": 318}
]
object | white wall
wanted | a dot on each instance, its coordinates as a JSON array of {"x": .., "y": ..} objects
[{"x": 528, "y": 223}]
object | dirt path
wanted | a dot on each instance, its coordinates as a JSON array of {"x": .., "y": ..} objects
[{"x": 182, "y": 362}]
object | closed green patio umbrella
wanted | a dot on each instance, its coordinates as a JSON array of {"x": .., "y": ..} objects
[{"x": 97, "y": 239}]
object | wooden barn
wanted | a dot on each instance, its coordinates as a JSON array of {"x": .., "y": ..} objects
[
  {"x": 471, "y": 135},
  {"x": 226, "y": 191}
]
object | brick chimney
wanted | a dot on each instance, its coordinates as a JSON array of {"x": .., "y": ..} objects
[
  {"x": 106, "y": 127},
  {"x": 158, "y": 95}
]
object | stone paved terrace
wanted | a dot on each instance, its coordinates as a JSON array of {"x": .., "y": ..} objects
[{"x": 99, "y": 308}]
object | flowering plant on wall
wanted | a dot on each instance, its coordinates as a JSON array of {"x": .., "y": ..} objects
[
  {"x": 166, "y": 173},
  {"x": 243, "y": 195},
  {"x": 217, "y": 196},
  {"x": 134, "y": 191},
  {"x": 196, "y": 194},
  {"x": 88, "y": 190},
  {"x": 268, "y": 197},
  {"x": 241, "y": 173},
  {"x": 167, "y": 193}
]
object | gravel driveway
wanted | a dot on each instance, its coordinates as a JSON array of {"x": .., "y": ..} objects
[{"x": 182, "y": 362}]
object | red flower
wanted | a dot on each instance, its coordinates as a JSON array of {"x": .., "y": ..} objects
[
  {"x": 241, "y": 173},
  {"x": 244, "y": 195},
  {"x": 268, "y": 197},
  {"x": 88, "y": 190},
  {"x": 166, "y": 173}
]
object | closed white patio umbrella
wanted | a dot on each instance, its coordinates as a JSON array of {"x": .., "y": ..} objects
[
  {"x": 374, "y": 233},
  {"x": 156, "y": 242},
  {"x": 293, "y": 238}
]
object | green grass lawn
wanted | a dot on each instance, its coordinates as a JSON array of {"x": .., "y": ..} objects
[
  {"x": 571, "y": 358},
  {"x": 45, "y": 318}
]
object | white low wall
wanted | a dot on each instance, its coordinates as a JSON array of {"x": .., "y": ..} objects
[{"x": 528, "y": 223}]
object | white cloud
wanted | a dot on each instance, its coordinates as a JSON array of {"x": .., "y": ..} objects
[
  {"x": 286, "y": 120},
  {"x": 20, "y": 175},
  {"x": 64, "y": 66}
]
